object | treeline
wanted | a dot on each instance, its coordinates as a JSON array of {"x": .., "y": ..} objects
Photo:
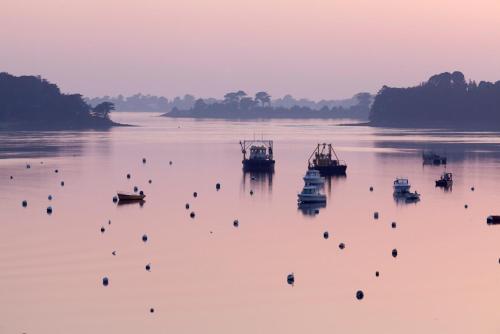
[
  {"x": 446, "y": 100},
  {"x": 239, "y": 105},
  {"x": 33, "y": 102},
  {"x": 153, "y": 103}
]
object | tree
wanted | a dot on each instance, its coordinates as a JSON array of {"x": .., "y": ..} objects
[
  {"x": 200, "y": 105},
  {"x": 103, "y": 109},
  {"x": 263, "y": 97},
  {"x": 247, "y": 103}
]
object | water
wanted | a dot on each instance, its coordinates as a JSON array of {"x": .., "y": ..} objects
[{"x": 207, "y": 275}]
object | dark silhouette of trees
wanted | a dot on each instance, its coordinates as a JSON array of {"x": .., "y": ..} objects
[
  {"x": 445, "y": 100},
  {"x": 263, "y": 98},
  {"x": 103, "y": 109},
  {"x": 239, "y": 105},
  {"x": 33, "y": 102}
]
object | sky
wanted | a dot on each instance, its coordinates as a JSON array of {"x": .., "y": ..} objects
[{"x": 308, "y": 48}]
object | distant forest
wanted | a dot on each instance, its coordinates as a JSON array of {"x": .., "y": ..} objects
[
  {"x": 152, "y": 103},
  {"x": 446, "y": 100},
  {"x": 238, "y": 105},
  {"x": 30, "y": 102}
]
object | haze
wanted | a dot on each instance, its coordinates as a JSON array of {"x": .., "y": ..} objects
[{"x": 308, "y": 48}]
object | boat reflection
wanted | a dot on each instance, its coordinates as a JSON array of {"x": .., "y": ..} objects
[
  {"x": 130, "y": 203},
  {"x": 257, "y": 181},
  {"x": 408, "y": 198},
  {"x": 332, "y": 179},
  {"x": 311, "y": 209}
]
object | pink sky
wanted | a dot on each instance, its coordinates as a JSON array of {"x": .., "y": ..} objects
[{"x": 308, "y": 48}]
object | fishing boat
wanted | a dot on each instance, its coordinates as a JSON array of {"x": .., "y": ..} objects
[
  {"x": 412, "y": 197},
  {"x": 446, "y": 180},
  {"x": 313, "y": 178},
  {"x": 123, "y": 196},
  {"x": 260, "y": 155},
  {"x": 493, "y": 220},
  {"x": 401, "y": 186},
  {"x": 402, "y": 191},
  {"x": 432, "y": 158},
  {"x": 325, "y": 160},
  {"x": 311, "y": 194}
]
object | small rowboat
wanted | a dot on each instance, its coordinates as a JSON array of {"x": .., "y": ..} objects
[
  {"x": 131, "y": 197},
  {"x": 493, "y": 220}
]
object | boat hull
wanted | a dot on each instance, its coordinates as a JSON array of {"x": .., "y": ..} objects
[
  {"x": 443, "y": 183},
  {"x": 130, "y": 197},
  {"x": 493, "y": 220},
  {"x": 330, "y": 170},
  {"x": 311, "y": 199},
  {"x": 258, "y": 165}
]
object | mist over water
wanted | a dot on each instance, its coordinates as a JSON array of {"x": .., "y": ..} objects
[{"x": 209, "y": 276}]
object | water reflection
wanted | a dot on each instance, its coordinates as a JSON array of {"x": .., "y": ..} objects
[
  {"x": 35, "y": 144},
  {"x": 310, "y": 209},
  {"x": 262, "y": 181},
  {"x": 332, "y": 180},
  {"x": 131, "y": 203}
]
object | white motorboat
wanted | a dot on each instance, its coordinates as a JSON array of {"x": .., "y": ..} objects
[
  {"x": 313, "y": 178},
  {"x": 401, "y": 186},
  {"x": 311, "y": 194}
]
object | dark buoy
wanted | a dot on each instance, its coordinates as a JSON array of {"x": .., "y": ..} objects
[
  {"x": 50, "y": 197},
  {"x": 466, "y": 206},
  {"x": 141, "y": 192},
  {"x": 28, "y": 166},
  {"x": 251, "y": 192},
  {"x": 290, "y": 279},
  {"x": 148, "y": 267},
  {"x": 472, "y": 188},
  {"x": 25, "y": 203},
  {"x": 150, "y": 181},
  {"x": 56, "y": 171},
  {"x": 375, "y": 215},
  {"x": 192, "y": 214},
  {"x": 170, "y": 162},
  {"x": 136, "y": 189},
  {"x": 109, "y": 222},
  {"x": 103, "y": 229},
  {"x": 62, "y": 183},
  {"x": 151, "y": 310},
  {"x": 105, "y": 281},
  {"x": 187, "y": 206},
  {"x": 236, "y": 223},
  {"x": 115, "y": 199},
  {"x": 394, "y": 252},
  {"x": 325, "y": 235},
  {"x": 217, "y": 186},
  {"x": 143, "y": 160},
  {"x": 11, "y": 177},
  {"x": 49, "y": 210},
  {"x": 360, "y": 295},
  {"x": 195, "y": 194},
  {"x": 371, "y": 188},
  {"x": 114, "y": 253},
  {"x": 144, "y": 238},
  {"x": 393, "y": 224},
  {"x": 377, "y": 274},
  {"x": 128, "y": 176},
  {"x": 341, "y": 245}
]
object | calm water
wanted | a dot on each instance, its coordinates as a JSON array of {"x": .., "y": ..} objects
[{"x": 210, "y": 277}]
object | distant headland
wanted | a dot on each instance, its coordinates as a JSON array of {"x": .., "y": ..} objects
[
  {"x": 446, "y": 100},
  {"x": 33, "y": 103},
  {"x": 239, "y": 105}
]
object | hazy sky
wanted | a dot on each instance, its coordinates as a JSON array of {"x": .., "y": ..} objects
[{"x": 309, "y": 48}]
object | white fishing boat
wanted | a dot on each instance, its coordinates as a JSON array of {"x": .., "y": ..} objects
[
  {"x": 311, "y": 194},
  {"x": 401, "y": 186},
  {"x": 313, "y": 178}
]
